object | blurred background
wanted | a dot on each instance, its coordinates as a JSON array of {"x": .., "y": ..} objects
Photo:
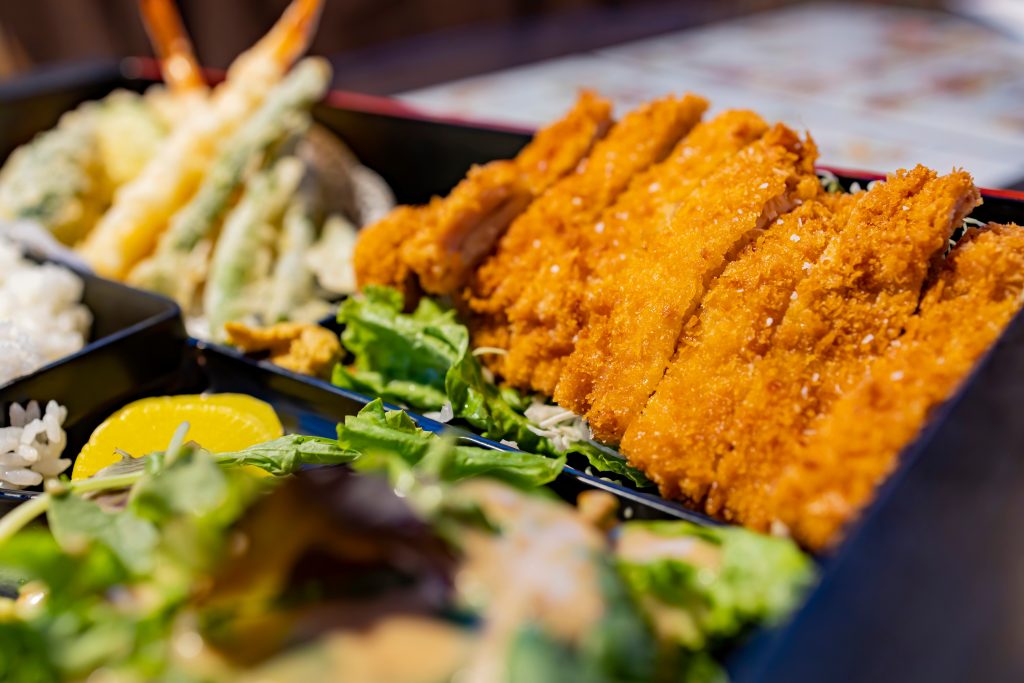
[
  {"x": 385, "y": 46},
  {"x": 881, "y": 84}
]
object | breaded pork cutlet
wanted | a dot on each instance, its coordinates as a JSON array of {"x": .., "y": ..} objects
[
  {"x": 675, "y": 438},
  {"x": 548, "y": 316},
  {"x": 463, "y": 227},
  {"x": 377, "y": 257},
  {"x": 856, "y": 300},
  {"x": 620, "y": 357},
  {"x": 857, "y": 444},
  {"x": 549, "y": 226},
  {"x": 442, "y": 241}
]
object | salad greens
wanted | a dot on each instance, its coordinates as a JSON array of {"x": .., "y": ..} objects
[
  {"x": 711, "y": 583},
  {"x": 423, "y": 359},
  {"x": 376, "y": 430},
  {"x": 427, "y": 561}
]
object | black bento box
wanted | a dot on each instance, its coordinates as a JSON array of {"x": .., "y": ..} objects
[
  {"x": 132, "y": 333},
  {"x": 925, "y": 587}
]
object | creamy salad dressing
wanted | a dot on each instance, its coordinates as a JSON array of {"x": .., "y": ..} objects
[
  {"x": 640, "y": 545},
  {"x": 540, "y": 569}
]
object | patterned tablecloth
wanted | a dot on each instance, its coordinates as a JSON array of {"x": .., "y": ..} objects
[{"x": 880, "y": 87}]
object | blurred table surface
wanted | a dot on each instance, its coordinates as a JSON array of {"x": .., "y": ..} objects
[{"x": 879, "y": 87}]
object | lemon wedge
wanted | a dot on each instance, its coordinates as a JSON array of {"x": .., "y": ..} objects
[{"x": 220, "y": 423}]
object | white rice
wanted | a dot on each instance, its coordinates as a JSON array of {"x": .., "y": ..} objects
[
  {"x": 41, "y": 319},
  {"x": 30, "y": 448}
]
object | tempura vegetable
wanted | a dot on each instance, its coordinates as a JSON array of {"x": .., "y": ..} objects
[
  {"x": 331, "y": 258},
  {"x": 142, "y": 186},
  {"x": 280, "y": 116},
  {"x": 243, "y": 255},
  {"x": 292, "y": 283},
  {"x": 57, "y": 179},
  {"x": 129, "y": 231}
]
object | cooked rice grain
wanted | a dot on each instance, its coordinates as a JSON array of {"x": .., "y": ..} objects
[
  {"x": 30, "y": 448},
  {"x": 41, "y": 319}
]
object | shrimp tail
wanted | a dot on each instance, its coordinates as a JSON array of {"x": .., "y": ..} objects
[
  {"x": 178, "y": 63},
  {"x": 291, "y": 36}
]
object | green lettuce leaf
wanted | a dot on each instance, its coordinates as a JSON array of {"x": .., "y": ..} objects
[
  {"x": 289, "y": 453},
  {"x": 25, "y": 655},
  {"x": 375, "y": 431},
  {"x": 282, "y": 456},
  {"x": 399, "y": 357},
  {"x": 77, "y": 522},
  {"x": 606, "y": 460},
  {"x": 194, "y": 486},
  {"x": 423, "y": 359},
  {"x": 716, "y": 583}
]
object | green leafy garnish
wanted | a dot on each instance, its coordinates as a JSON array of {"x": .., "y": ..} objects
[
  {"x": 376, "y": 430},
  {"x": 398, "y": 357},
  {"x": 423, "y": 359},
  {"x": 727, "y": 580}
]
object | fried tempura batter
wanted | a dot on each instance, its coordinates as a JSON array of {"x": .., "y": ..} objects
[
  {"x": 547, "y": 317},
  {"x": 621, "y": 356},
  {"x": 856, "y": 445},
  {"x": 674, "y": 439},
  {"x": 548, "y": 226},
  {"x": 305, "y": 348},
  {"x": 855, "y": 302},
  {"x": 442, "y": 241}
]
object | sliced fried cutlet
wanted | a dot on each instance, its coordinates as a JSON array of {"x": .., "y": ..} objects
[
  {"x": 466, "y": 225},
  {"x": 856, "y": 300},
  {"x": 547, "y": 317},
  {"x": 482, "y": 207},
  {"x": 857, "y": 444},
  {"x": 626, "y": 228},
  {"x": 673, "y": 441},
  {"x": 441, "y": 242},
  {"x": 557, "y": 149},
  {"x": 621, "y": 356},
  {"x": 549, "y": 226},
  {"x": 377, "y": 257}
]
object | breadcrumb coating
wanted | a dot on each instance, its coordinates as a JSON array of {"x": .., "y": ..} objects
[
  {"x": 548, "y": 316},
  {"x": 856, "y": 300},
  {"x": 675, "y": 439},
  {"x": 621, "y": 356},
  {"x": 435, "y": 247},
  {"x": 857, "y": 444},
  {"x": 543, "y": 235},
  {"x": 377, "y": 257}
]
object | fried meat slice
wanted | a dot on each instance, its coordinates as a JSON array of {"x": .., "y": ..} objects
[
  {"x": 621, "y": 356},
  {"x": 442, "y": 241},
  {"x": 557, "y": 149},
  {"x": 545, "y": 320},
  {"x": 644, "y": 136},
  {"x": 857, "y": 444},
  {"x": 673, "y": 439},
  {"x": 305, "y": 348},
  {"x": 552, "y": 224},
  {"x": 377, "y": 257},
  {"x": 465, "y": 225},
  {"x": 856, "y": 300}
]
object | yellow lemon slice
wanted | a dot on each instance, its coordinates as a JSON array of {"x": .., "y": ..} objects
[{"x": 220, "y": 423}]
